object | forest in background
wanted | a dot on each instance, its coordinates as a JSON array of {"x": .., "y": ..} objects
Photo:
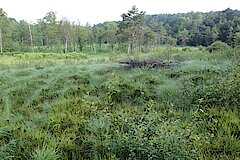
[{"x": 137, "y": 31}]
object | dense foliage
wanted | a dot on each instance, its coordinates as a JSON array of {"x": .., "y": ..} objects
[
  {"x": 194, "y": 29},
  {"x": 136, "y": 31}
]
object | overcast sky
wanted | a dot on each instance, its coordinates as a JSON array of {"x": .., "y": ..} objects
[{"x": 97, "y": 11}]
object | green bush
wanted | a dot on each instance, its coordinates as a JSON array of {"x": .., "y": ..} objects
[
  {"x": 218, "y": 46},
  {"x": 221, "y": 91}
]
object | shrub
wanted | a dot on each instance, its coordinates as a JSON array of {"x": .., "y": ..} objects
[
  {"x": 218, "y": 46},
  {"x": 214, "y": 90}
]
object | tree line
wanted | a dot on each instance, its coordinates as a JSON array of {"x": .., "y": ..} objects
[{"x": 136, "y": 32}]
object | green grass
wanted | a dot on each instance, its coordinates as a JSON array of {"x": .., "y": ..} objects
[{"x": 86, "y": 106}]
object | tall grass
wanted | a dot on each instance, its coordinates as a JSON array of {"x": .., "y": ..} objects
[{"x": 83, "y": 106}]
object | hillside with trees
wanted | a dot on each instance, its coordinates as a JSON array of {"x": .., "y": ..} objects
[
  {"x": 198, "y": 28},
  {"x": 136, "y": 31}
]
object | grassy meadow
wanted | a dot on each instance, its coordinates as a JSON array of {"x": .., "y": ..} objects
[{"x": 88, "y": 106}]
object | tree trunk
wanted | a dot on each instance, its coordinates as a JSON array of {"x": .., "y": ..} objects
[
  {"x": 113, "y": 49},
  {"x": 66, "y": 46},
  {"x": 129, "y": 48},
  {"x": 74, "y": 46},
  {"x": 1, "y": 44},
  {"x": 94, "y": 48},
  {"x": 80, "y": 46},
  {"x": 42, "y": 40},
  {"x": 100, "y": 46},
  {"x": 31, "y": 39}
]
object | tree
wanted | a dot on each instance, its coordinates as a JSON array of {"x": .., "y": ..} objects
[
  {"x": 99, "y": 35},
  {"x": 15, "y": 46},
  {"x": 237, "y": 38},
  {"x": 159, "y": 30},
  {"x": 132, "y": 26},
  {"x": 65, "y": 29},
  {"x": 51, "y": 29},
  {"x": 215, "y": 33},
  {"x": 148, "y": 37},
  {"x": 195, "y": 34},
  {"x": 183, "y": 37},
  {"x": 22, "y": 31},
  {"x": 81, "y": 33},
  {"x": 1, "y": 43},
  {"x": 171, "y": 41},
  {"x": 111, "y": 31},
  {"x": 224, "y": 28},
  {"x": 90, "y": 37},
  {"x": 231, "y": 37},
  {"x": 40, "y": 29},
  {"x": 207, "y": 36},
  {"x": 30, "y": 36},
  {"x": 4, "y": 30}
]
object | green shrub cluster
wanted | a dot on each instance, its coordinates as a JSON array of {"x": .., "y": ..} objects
[{"x": 218, "y": 46}]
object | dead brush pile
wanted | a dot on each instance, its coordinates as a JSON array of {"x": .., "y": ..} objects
[{"x": 150, "y": 63}]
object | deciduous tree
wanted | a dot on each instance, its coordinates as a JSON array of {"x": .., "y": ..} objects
[
  {"x": 81, "y": 34},
  {"x": 4, "y": 30},
  {"x": 65, "y": 30},
  {"x": 111, "y": 31},
  {"x": 51, "y": 29}
]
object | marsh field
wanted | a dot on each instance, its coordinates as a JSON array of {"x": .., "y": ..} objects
[{"x": 89, "y": 106}]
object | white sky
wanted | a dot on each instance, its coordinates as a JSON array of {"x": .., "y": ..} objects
[{"x": 97, "y": 11}]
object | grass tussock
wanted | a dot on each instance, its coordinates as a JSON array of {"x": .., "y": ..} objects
[{"x": 82, "y": 106}]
